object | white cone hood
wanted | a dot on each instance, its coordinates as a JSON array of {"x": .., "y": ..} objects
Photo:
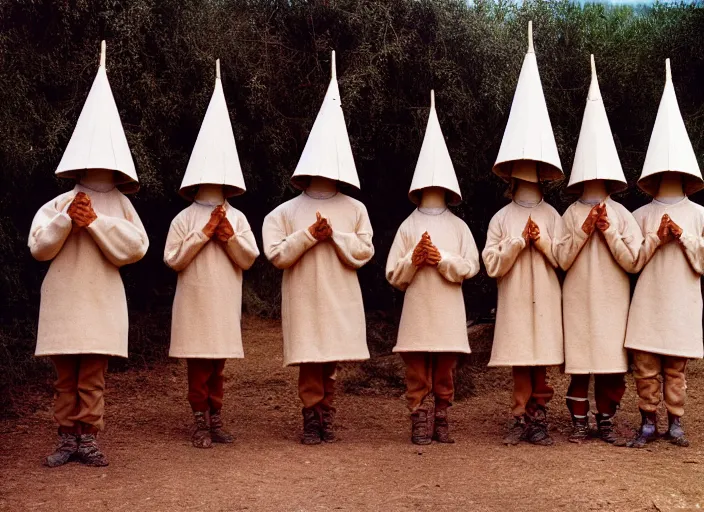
[
  {"x": 528, "y": 134},
  {"x": 98, "y": 140},
  {"x": 328, "y": 153},
  {"x": 214, "y": 159},
  {"x": 434, "y": 167},
  {"x": 670, "y": 148},
  {"x": 596, "y": 157}
]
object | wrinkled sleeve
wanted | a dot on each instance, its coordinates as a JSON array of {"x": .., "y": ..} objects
[
  {"x": 458, "y": 267},
  {"x": 50, "y": 229},
  {"x": 693, "y": 246},
  {"x": 624, "y": 239},
  {"x": 355, "y": 249},
  {"x": 182, "y": 245},
  {"x": 242, "y": 247},
  {"x": 121, "y": 240},
  {"x": 547, "y": 236},
  {"x": 501, "y": 250},
  {"x": 280, "y": 248},
  {"x": 569, "y": 240},
  {"x": 650, "y": 242},
  {"x": 400, "y": 269}
]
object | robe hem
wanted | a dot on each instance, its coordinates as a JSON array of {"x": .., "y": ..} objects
[
  {"x": 335, "y": 360},
  {"x": 524, "y": 363},
  {"x": 206, "y": 356},
  {"x": 79, "y": 353},
  {"x": 581, "y": 371},
  {"x": 452, "y": 350},
  {"x": 663, "y": 352}
]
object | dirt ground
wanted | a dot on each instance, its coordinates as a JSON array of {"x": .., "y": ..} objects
[{"x": 374, "y": 467}]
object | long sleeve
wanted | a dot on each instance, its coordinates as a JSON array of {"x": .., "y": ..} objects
[
  {"x": 355, "y": 249},
  {"x": 400, "y": 269},
  {"x": 693, "y": 246},
  {"x": 121, "y": 240},
  {"x": 182, "y": 245},
  {"x": 569, "y": 240},
  {"x": 281, "y": 249},
  {"x": 650, "y": 244},
  {"x": 458, "y": 267},
  {"x": 501, "y": 251},
  {"x": 50, "y": 229},
  {"x": 624, "y": 241},
  {"x": 242, "y": 247}
]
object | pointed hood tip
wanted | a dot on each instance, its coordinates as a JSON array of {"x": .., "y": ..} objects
[
  {"x": 333, "y": 67},
  {"x": 217, "y": 69},
  {"x": 102, "y": 54},
  {"x": 531, "y": 49},
  {"x": 432, "y": 99},
  {"x": 594, "y": 91}
]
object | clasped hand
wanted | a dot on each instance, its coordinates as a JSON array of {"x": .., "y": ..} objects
[
  {"x": 597, "y": 218},
  {"x": 321, "y": 229},
  {"x": 668, "y": 230},
  {"x": 425, "y": 253},
  {"x": 218, "y": 226},
  {"x": 81, "y": 210}
]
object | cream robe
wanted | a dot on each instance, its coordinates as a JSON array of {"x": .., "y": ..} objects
[
  {"x": 321, "y": 301},
  {"x": 596, "y": 292},
  {"x": 666, "y": 310},
  {"x": 207, "y": 311},
  {"x": 528, "y": 328},
  {"x": 83, "y": 306},
  {"x": 433, "y": 318}
]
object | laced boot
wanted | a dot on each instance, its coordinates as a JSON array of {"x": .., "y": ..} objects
[
  {"x": 89, "y": 452},
  {"x": 516, "y": 431},
  {"x": 66, "y": 449},
  {"x": 580, "y": 429},
  {"x": 607, "y": 432},
  {"x": 648, "y": 430},
  {"x": 675, "y": 432},
  {"x": 201, "y": 431},
  {"x": 217, "y": 433},
  {"x": 311, "y": 426},
  {"x": 327, "y": 421},
  {"x": 537, "y": 429},
  {"x": 442, "y": 426}
]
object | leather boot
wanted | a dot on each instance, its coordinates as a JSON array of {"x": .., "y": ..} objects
[
  {"x": 217, "y": 433},
  {"x": 537, "y": 428},
  {"x": 327, "y": 427},
  {"x": 648, "y": 430},
  {"x": 516, "y": 431},
  {"x": 311, "y": 426},
  {"x": 580, "y": 429},
  {"x": 419, "y": 427},
  {"x": 66, "y": 449},
  {"x": 88, "y": 451},
  {"x": 675, "y": 432},
  {"x": 607, "y": 432},
  {"x": 442, "y": 426},
  {"x": 201, "y": 431}
]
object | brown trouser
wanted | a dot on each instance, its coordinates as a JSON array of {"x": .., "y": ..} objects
[
  {"x": 530, "y": 388},
  {"x": 205, "y": 384},
  {"x": 429, "y": 372},
  {"x": 316, "y": 384},
  {"x": 608, "y": 391},
  {"x": 79, "y": 404},
  {"x": 654, "y": 372}
]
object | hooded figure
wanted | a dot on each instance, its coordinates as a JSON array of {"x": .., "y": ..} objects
[
  {"x": 319, "y": 239},
  {"x": 432, "y": 254},
  {"x": 598, "y": 243},
  {"x": 518, "y": 252},
  {"x": 209, "y": 244},
  {"x": 665, "y": 320},
  {"x": 88, "y": 234}
]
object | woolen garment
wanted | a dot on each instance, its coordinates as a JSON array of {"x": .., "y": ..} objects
[
  {"x": 528, "y": 327},
  {"x": 83, "y": 307},
  {"x": 596, "y": 292},
  {"x": 666, "y": 309},
  {"x": 207, "y": 310},
  {"x": 321, "y": 302},
  {"x": 433, "y": 317}
]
